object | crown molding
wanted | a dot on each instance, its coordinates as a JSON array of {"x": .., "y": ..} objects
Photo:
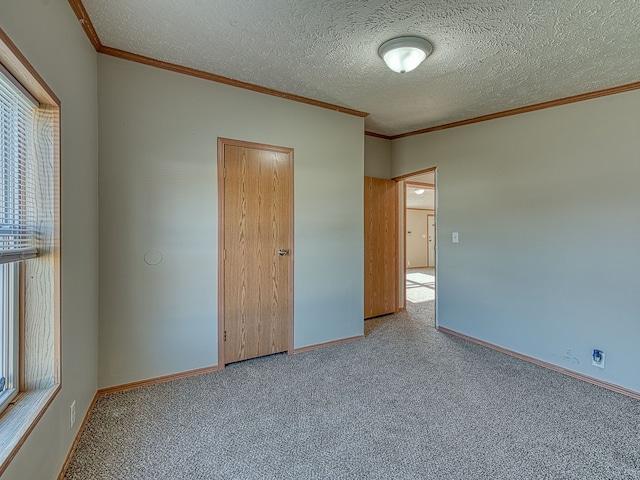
[
  {"x": 377, "y": 135},
  {"x": 172, "y": 67},
  {"x": 85, "y": 21},
  {"x": 530, "y": 108}
]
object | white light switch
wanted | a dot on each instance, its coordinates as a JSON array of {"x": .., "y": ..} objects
[{"x": 454, "y": 237}]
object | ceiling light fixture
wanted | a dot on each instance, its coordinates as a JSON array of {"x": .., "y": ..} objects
[
  {"x": 419, "y": 191},
  {"x": 404, "y": 54}
]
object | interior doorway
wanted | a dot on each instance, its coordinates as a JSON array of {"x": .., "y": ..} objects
[{"x": 419, "y": 255}]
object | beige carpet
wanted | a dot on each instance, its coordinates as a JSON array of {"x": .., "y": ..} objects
[{"x": 406, "y": 402}]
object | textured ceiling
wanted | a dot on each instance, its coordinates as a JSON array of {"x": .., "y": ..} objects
[{"x": 489, "y": 55}]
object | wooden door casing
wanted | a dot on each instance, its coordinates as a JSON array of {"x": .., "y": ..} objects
[
  {"x": 431, "y": 240},
  {"x": 380, "y": 247},
  {"x": 256, "y": 311}
]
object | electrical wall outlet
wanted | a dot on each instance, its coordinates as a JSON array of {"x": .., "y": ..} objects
[
  {"x": 597, "y": 358},
  {"x": 72, "y": 416}
]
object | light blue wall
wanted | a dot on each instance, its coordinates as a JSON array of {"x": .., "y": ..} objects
[
  {"x": 158, "y": 191},
  {"x": 49, "y": 35},
  {"x": 547, "y": 208}
]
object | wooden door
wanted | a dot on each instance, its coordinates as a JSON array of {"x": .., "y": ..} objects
[
  {"x": 380, "y": 247},
  {"x": 257, "y": 240}
]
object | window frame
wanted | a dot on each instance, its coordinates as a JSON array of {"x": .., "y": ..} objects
[
  {"x": 39, "y": 315},
  {"x": 17, "y": 198},
  {"x": 9, "y": 332}
]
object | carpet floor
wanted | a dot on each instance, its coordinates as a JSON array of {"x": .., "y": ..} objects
[{"x": 406, "y": 402}]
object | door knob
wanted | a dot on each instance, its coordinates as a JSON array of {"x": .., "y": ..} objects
[{"x": 282, "y": 252}]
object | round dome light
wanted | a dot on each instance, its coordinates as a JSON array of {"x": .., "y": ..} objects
[{"x": 404, "y": 54}]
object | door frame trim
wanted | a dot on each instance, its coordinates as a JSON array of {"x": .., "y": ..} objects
[
  {"x": 402, "y": 237},
  {"x": 431, "y": 213},
  {"x": 222, "y": 142}
]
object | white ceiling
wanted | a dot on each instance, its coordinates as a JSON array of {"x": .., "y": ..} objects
[{"x": 489, "y": 55}]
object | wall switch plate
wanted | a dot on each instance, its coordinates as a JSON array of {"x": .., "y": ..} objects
[
  {"x": 72, "y": 415},
  {"x": 597, "y": 359},
  {"x": 454, "y": 237}
]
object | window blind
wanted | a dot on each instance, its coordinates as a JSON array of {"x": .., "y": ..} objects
[{"x": 17, "y": 180}]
